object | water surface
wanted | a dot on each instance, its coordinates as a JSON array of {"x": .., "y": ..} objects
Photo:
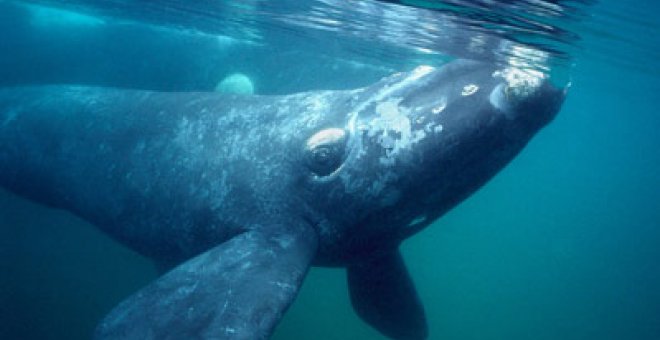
[{"x": 562, "y": 244}]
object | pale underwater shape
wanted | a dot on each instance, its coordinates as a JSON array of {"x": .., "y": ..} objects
[{"x": 235, "y": 83}]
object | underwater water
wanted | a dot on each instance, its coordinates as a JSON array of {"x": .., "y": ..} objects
[{"x": 562, "y": 244}]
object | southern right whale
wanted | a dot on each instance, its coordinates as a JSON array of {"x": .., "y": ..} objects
[{"x": 239, "y": 195}]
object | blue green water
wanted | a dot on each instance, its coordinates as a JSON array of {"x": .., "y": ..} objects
[{"x": 563, "y": 244}]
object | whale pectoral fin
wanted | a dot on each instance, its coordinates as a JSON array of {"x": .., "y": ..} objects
[
  {"x": 237, "y": 290},
  {"x": 383, "y": 295}
]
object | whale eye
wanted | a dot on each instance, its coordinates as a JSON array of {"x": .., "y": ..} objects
[{"x": 325, "y": 151}]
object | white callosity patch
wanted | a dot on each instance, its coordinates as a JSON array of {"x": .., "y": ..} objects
[
  {"x": 316, "y": 102},
  {"x": 356, "y": 150},
  {"x": 497, "y": 98},
  {"x": 388, "y": 90},
  {"x": 433, "y": 127},
  {"x": 393, "y": 129},
  {"x": 469, "y": 90},
  {"x": 440, "y": 107},
  {"x": 520, "y": 83}
]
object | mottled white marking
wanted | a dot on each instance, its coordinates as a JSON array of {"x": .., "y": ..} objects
[
  {"x": 520, "y": 82},
  {"x": 283, "y": 285},
  {"x": 283, "y": 241},
  {"x": 496, "y": 98},
  {"x": 186, "y": 290},
  {"x": 355, "y": 144},
  {"x": 418, "y": 220},
  {"x": 394, "y": 129},
  {"x": 391, "y": 120},
  {"x": 469, "y": 90},
  {"x": 316, "y": 102},
  {"x": 386, "y": 91},
  {"x": 441, "y": 107},
  {"x": 386, "y": 141},
  {"x": 418, "y": 135}
]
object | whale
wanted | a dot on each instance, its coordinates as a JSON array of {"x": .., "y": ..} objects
[{"x": 236, "y": 196}]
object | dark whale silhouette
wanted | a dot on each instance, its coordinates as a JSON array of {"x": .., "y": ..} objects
[{"x": 239, "y": 195}]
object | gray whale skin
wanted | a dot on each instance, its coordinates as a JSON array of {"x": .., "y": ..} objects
[{"x": 239, "y": 195}]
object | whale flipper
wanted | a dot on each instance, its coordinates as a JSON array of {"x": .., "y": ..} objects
[
  {"x": 237, "y": 290},
  {"x": 383, "y": 295}
]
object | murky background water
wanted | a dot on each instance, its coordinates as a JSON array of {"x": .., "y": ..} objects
[{"x": 562, "y": 244}]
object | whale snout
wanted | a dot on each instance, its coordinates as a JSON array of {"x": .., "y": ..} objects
[
  {"x": 527, "y": 96},
  {"x": 542, "y": 106}
]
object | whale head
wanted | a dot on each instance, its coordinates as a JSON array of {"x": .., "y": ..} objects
[{"x": 414, "y": 145}]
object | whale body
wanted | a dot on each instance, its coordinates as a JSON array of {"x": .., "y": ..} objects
[{"x": 239, "y": 195}]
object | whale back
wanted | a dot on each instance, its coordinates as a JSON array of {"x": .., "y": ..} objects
[{"x": 168, "y": 174}]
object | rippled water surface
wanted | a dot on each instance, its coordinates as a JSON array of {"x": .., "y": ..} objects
[{"x": 389, "y": 29}]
